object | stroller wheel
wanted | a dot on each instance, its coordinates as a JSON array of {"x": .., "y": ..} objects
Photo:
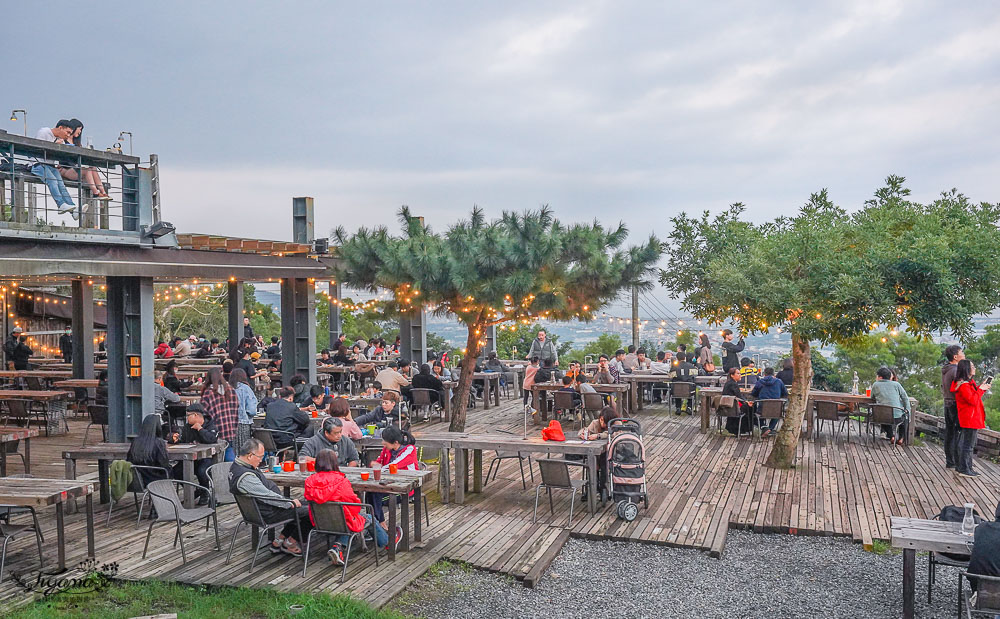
[
  {"x": 630, "y": 511},
  {"x": 619, "y": 508}
]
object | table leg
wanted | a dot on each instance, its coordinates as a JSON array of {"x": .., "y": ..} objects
[
  {"x": 90, "y": 524},
  {"x": 592, "y": 483},
  {"x": 496, "y": 392},
  {"x": 447, "y": 405},
  {"x": 460, "y": 475},
  {"x": 392, "y": 526},
  {"x": 404, "y": 512},
  {"x": 444, "y": 470},
  {"x": 909, "y": 581},
  {"x": 486, "y": 394},
  {"x": 70, "y": 466},
  {"x": 635, "y": 390},
  {"x": 103, "y": 473},
  {"x": 27, "y": 456},
  {"x": 703, "y": 410},
  {"x": 477, "y": 470},
  {"x": 3, "y": 460},
  {"x": 418, "y": 508},
  {"x": 188, "y": 490},
  {"x": 810, "y": 420},
  {"x": 61, "y": 533}
]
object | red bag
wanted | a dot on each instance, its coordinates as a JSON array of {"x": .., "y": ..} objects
[{"x": 554, "y": 432}]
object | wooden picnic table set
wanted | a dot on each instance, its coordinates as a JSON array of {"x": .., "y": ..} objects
[
  {"x": 850, "y": 399},
  {"x": 40, "y": 493},
  {"x": 54, "y": 403},
  {"x": 13, "y": 435},
  {"x": 913, "y": 534},
  {"x": 396, "y": 486},
  {"x": 620, "y": 394}
]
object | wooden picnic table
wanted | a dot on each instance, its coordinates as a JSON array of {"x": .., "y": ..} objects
[
  {"x": 913, "y": 534},
  {"x": 491, "y": 387},
  {"x": 397, "y": 487},
  {"x": 40, "y": 374},
  {"x": 617, "y": 391},
  {"x": 104, "y": 453},
  {"x": 55, "y": 405},
  {"x": 705, "y": 394},
  {"x": 13, "y": 434},
  {"x": 634, "y": 379},
  {"x": 210, "y": 360},
  {"x": 37, "y": 492},
  {"x": 76, "y": 383}
]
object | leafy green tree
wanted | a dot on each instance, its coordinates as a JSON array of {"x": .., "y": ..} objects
[
  {"x": 358, "y": 320},
  {"x": 520, "y": 336},
  {"x": 984, "y": 350},
  {"x": 517, "y": 269},
  {"x": 825, "y": 375},
  {"x": 829, "y": 276},
  {"x": 606, "y": 343},
  {"x": 916, "y": 361},
  {"x": 203, "y": 309}
]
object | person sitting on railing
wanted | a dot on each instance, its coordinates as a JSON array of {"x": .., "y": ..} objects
[
  {"x": 90, "y": 175},
  {"x": 44, "y": 169}
]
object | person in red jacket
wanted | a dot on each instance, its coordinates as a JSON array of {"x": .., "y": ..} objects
[
  {"x": 329, "y": 484},
  {"x": 398, "y": 449},
  {"x": 163, "y": 351},
  {"x": 971, "y": 414}
]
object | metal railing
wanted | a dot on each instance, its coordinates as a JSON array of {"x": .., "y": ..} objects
[{"x": 49, "y": 187}]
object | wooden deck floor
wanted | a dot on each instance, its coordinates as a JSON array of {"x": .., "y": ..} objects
[{"x": 700, "y": 485}]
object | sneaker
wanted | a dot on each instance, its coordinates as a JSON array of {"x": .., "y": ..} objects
[
  {"x": 336, "y": 554},
  {"x": 67, "y": 208},
  {"x": 368, "y": 536},
  {"x": 399, "y": 537},
  {"x": 104, "y": 198},
  {"x": 274, "y": 549},
  {"x": 969, "y": 474}
]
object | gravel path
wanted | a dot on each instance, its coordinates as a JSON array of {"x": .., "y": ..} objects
[{"x": 768, "y": 576}]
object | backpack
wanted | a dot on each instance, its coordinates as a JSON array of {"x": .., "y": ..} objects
[{"x": 954, "y": 513}]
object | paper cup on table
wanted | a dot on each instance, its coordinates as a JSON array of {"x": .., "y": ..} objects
[
  {"x": 393, "y": 469},
  {"x": 371, "y": 428},
  {"x": 364, "y": 476},
  {"x": 288, "y": 466}
]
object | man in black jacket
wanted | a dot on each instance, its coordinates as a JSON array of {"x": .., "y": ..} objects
[
  {"x": 9, "y": 345},
  {"x": 684, "y": 373},
  {"x": 284, "y": 415},
  {"x": 22, "y": 353},
  {"x": 196, "y": 430},
  {"x": 66, "y": 347},
  {"x": 731, "y": 352}
]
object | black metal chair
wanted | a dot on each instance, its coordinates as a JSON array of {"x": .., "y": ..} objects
[
  {"x": 935, "y": 559},
  {"x": 770, "y": 409},
  {"x": 266, "y": 437},
  {"x": 163, "y": 494},
  {"x": 250, "y": 511},
  {"x": 827, "y": 410},
  {"x": 138, "y": 486},
  {"x": 563, "y": 402},
  {"x": 8, "y": 531},
  {"x": 329, "y": 520},
  {"x": 98, "y": 416},
  {"x": 986, "y": 602},
  {"x": 592, "y": 405},
  {"x": 18, "y": 411},
  {"x": 509, "y": 455},
  {"x": 884, "y": 414},
  {"x": 728, "y": 407},
  {"x": 555, "y": 476},
  {"x": 425, "y": 401},
  {"x": 680, "y": 390}
]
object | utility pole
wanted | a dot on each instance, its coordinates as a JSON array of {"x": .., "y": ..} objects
[{"x": 635, "y": 316}]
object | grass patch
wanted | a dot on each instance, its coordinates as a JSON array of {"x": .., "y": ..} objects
[
  {"x": 882, "y": 547},
  {"x": 131, "y": 599}
]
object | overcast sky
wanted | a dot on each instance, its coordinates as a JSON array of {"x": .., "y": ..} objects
[{"x": 616, "y": 110}]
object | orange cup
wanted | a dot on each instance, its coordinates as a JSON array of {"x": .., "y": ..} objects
[
  {"x": 393, "y": 469},
  {"x": 868, "y": 392},
  {"x": 288, "y": 466},
  {"x": 364, "y": 476},
  {"x": 315, "y": 414},
  {"x": 311, "y": 465}
]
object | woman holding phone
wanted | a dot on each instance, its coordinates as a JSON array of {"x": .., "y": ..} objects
[{"x": 971, "y": 413}]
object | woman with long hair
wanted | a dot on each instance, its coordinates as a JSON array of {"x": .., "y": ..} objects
[
  {"x": 705, "y": 354},
  {"x": 340, "y": 409},
  {"x": 149, "y": 449},
  {"x": 222, "y": 404},
  {"x": 247, "y": 401},
  {"x": 91, "y": 177},
  {"x": 971, "y": 414}
]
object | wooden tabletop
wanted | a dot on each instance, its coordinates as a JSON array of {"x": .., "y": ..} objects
[
  {"x": 83, "y": 383},
  {"x": 8, "y": 433},
  {"x": 509, "y": 442},
  {"x": 117, "y": 451},
  {"x": 39, "y": 492},
  {"x": 599, "y": 387},
  {"x": 26, "y": 394},
  {"x": 400, "y": 483},
  {"x": 921, "y": 534},
  {"x": 647, "y": 376},
  {"x": 43, "y": 374}
]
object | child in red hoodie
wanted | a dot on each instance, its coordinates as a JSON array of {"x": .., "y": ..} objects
[
  {"x": 398, "y": 449},
  {"x": 971, "y": 414},
  {"x": 328, "y": 484}
]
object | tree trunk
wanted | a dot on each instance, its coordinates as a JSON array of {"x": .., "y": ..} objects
[
  {"x": 460, "y": 403},
  {"x": 782, "y": 454}
]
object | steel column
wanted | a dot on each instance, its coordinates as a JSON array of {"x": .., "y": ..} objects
[
  {"x": 413, "y": 337},
  {"x": 298, "y": 330},
  {"x": 235, "y": 306},
  {"x": 303, "y": 230},
  {"x": 334, "y": 316},
  {"x": 130, "y": 331},
  {"x": 83, "y": 328}
]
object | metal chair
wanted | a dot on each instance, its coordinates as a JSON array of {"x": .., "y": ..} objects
[
  {"x": 681, "y": 390},
  {"x": 10, "y": 448},
  {"x": 884, "y": 414},
  {"x": 935, "y": 559},
  {"x": 592, "y": 405},
  {"x": 329, "y": 520},
  {"x": 137, "y": 486},
  {"x": 98, "y": 416},
  {"x": 10, "y": 531},
  {"x": 770, "y": 409},
  {"x": 726, "y": 407},
  {"x": 163, "y": 494},
  {"x": 827, "y": 410},
  {"x": 987, "y": 595},
  {"x": 19, "y": 410},
  {"x": 509, "y": 455},
  {"x": 555, "y": 476},
  {"x": 424, "y": 401},
  {"x": 218, "y": 485},
  {"x": 266, "y": 437},
  {"x": 250, "y": 511},
  {"x": 663, "y": 389},
  {"x": 564, "y": 402}
]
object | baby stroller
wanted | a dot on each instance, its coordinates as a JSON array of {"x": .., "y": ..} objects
[{"x": 626, "y": 467}]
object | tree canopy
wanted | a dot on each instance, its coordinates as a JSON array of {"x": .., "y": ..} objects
[
  {"x": 828, "y": 275},
  {"x": 521, "y": 267}
]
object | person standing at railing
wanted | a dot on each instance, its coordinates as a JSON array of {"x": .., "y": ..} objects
[
  {"x": 45, "y": 170},
  {"x": 90, "y": 175}
]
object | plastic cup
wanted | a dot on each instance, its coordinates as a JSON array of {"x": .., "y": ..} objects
[
  {"x": 315, "y": 414},
  {"x": 377, "y": 473},
  {"x": 288, "y": 466},
  {"x": 364, "y": 476},
  {"x": 311, "y": 465},
  {"x": 868, "y": 392},
  {"x": 393, "y": 469},
  {"x": 371, "y": 428},
  {"x": 276, "y": 468}
]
